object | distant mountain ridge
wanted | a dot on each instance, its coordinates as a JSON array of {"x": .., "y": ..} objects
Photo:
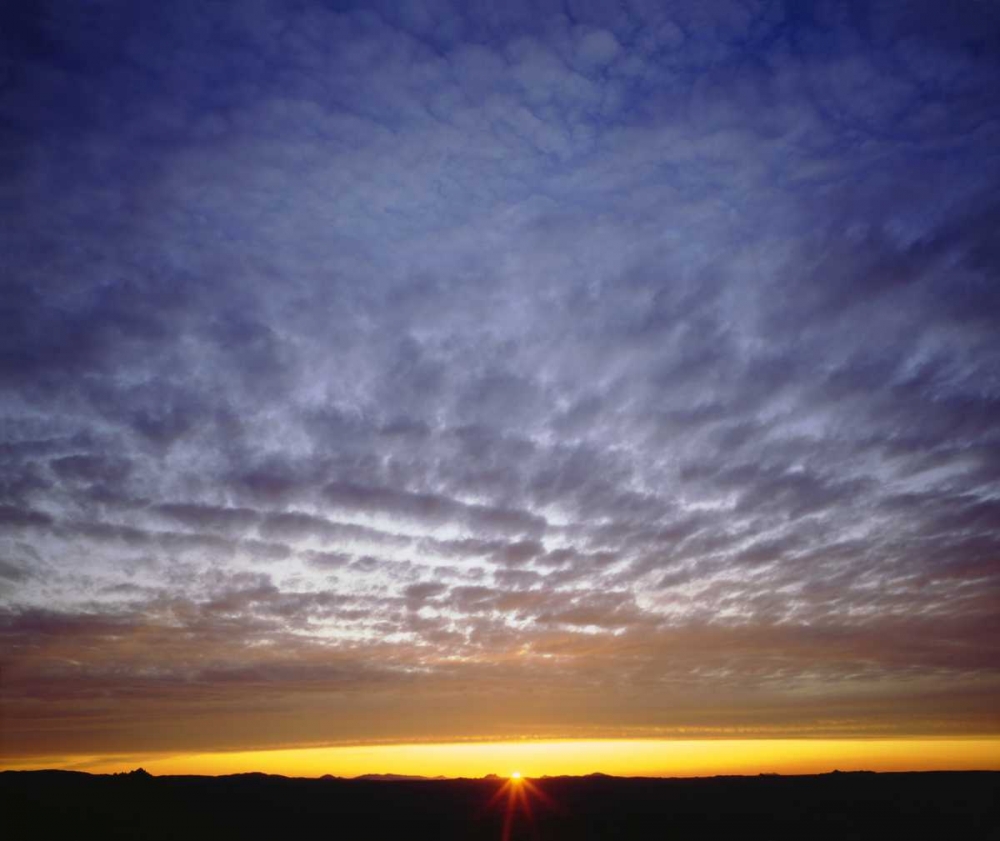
[{"x": 389, "y": 807}]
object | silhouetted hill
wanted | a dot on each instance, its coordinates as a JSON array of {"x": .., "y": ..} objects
[{"x": 843, "y": 806}]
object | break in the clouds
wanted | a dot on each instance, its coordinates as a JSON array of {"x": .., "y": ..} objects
[{"x": 414, "y": 370}]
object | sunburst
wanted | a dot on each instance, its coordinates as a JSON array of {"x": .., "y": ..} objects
[{"x": 519, "y": 793}]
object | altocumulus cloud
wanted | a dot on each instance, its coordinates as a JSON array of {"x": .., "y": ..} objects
[{"x": 365, "y": 366}]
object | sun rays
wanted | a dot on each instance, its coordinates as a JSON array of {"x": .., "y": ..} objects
[{"x": 516, "y": 796}]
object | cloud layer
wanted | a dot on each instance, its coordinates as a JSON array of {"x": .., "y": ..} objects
[{"x": 369, "y": 367}]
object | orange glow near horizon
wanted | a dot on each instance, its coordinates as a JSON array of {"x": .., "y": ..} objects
[{"x": 652, "y": 757}]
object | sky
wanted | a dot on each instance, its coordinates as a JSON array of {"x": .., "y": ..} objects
[{"x": 403, "y": 373}]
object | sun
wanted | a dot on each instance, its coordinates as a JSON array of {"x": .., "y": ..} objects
[{"x": 516, "y": 776}]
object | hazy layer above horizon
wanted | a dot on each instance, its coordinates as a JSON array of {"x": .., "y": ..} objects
[{"x": 530, "y": 758}]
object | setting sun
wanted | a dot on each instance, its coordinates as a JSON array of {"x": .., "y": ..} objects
[{"x": 516, "y": 776}]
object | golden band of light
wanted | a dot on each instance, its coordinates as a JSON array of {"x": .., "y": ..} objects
[{"x": 653, "y": 757}]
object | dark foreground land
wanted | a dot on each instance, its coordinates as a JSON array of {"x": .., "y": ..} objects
[{"x": 64, "y": 805}]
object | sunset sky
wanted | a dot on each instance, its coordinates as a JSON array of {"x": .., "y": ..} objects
[{"x": 384, "y": 382}]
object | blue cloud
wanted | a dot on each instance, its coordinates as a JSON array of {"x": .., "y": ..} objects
[{"x": 584, "y": 331}]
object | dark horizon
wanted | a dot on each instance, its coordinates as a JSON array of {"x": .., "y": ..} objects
[{"x": 837, "y": 805}]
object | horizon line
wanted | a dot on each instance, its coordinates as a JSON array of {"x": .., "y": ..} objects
[{"x": 390, "y": 777}]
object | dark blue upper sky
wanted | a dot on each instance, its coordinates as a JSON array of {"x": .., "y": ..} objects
[{"x": 379, "y": 359}]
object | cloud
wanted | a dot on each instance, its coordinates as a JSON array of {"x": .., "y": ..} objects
[
  {"x": 439, "y": 350},
  {"x": 432, "y": 508}
]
